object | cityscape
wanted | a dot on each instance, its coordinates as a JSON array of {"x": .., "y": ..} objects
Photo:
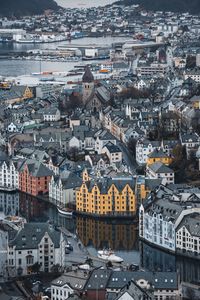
[{"x": 99, "y": 150}]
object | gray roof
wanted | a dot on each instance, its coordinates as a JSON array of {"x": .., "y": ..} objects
[
  {"x": 135, "y": 291},
  {"x": 112, "y": 148},
  {"x": 98, "y": 279},
  {"x": 185, "y": 138},
  {"x": 36, "y": 168},
  {"x": 160, "y": 280},
  {"x": 158, "y": 153},
  {"x": 75, "y": 279},
  {"x": 104, "y": 184},
  {"x": 192, "y": 223},
  {"x": 30, "y": 236},
  {"x": 159, "y": 167},
  {"x": 71, "y": 182},
  {"x": 87, "y": 76},
  {"x": 152, "y": 183}
]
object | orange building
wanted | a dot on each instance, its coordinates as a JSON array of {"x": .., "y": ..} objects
[{"x": 34, "y": 177}]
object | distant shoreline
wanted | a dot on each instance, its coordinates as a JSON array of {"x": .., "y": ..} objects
[{"x": 83, "y": 3}]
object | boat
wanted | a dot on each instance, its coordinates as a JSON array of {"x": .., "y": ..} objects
[
  {"x": 84, "y": 267},
  {"x": 65, "y": 211},
  {"x": 109, "y": 255}
]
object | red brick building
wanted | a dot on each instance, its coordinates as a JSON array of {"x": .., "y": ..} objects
[{"x": 34, "y": 177}]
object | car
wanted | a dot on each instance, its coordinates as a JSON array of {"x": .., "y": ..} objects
[
  {"x": 69, "y": 247},
  {"x": 48, "y": 290},
  {"x": 67, "y": 251},
  {"x": 36, "y": 282}
]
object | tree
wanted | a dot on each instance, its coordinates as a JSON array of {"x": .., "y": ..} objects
[
  {"x": 70, "y": 103},
  {"x": 55, "y": 268},
  {"x": 73, "y": 153},
  {"x": 35, "y": 268}
]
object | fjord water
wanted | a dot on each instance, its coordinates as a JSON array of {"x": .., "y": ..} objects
[
  {"x": 120, "y": 235},
  {"x": 9, "y": 67},
  {"x": 83, "y": 3}
]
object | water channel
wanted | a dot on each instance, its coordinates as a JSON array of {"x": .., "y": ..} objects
[{"x": 120, "y": 235}]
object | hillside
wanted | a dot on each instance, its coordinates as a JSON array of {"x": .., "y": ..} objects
[
  {"x": 25, "y": 7},
  {"x": 192, "y": 6}
]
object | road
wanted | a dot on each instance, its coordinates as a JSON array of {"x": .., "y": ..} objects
[{"x": 128, "y": 158}]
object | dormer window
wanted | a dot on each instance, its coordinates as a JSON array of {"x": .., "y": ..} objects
[{"x": 23, "y": 238}]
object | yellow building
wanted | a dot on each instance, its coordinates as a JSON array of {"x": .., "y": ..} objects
[
  {"x": 107, "y": 196},
  {"x": 195, "y": 101},
  {"x": 159, "y": 156},
  {"x": 15, "y": 94}
]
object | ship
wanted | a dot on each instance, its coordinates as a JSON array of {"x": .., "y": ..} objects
[
  {"x": 109, "y": 255},
  {"x": 65, "y": 211}
]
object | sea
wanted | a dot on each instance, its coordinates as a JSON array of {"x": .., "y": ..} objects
[
  {"x": 13, "y": 68},
  {"x": 83, "y": 3}
]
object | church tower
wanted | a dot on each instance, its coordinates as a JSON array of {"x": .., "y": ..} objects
[{"x": 87, "y": 84}]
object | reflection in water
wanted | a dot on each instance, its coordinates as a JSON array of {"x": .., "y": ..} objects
[
  {"x": 153, "y": 259},
  {"x": 156, "y": 260},
  {"x": 9, "y": 203},
  {"x": 121, "y": 236},
  {"x": 117, "y": 235}
]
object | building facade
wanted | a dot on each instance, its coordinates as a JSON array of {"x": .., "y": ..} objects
[
  {"x": 109, "y": 196},
  {"x": 9, "y": 175},
  {"x": 35, "y": 244},
  {"x": 34, "y": 177}
]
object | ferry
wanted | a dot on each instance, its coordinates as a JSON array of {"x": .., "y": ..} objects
[{"x": 109, "y": 255}]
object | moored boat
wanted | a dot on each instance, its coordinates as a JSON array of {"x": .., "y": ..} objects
[
  {"x": 64, "y": 211},
  {"x": 109, "y": 255}
]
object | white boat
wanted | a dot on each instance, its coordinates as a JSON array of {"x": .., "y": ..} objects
[
  {"x": 109, "y": 255},
  {"x": 84, "y": 267},
  {"x": 64, "y": 211}
]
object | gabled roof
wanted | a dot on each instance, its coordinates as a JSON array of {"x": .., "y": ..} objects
[
  {"x": 75, "y": 279},
  {"x": 98, "y": 279},
  {"x": 35, "y": 168},
  {"x": 157, "y": 154},
  {"x": 31, "y": 235},
  {"x": 159, "y": 167},
  {"x": 112, "y": 148}
]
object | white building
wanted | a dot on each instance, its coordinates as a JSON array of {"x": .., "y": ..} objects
[
  {"x": 12, "y": 127},
  {"x": 170, "y": 223},
  {"x": 193, "y": 74},
  {"x": 62, "y": 190},
  {"x": 51, "y": 115},
  {"x": 153, "y": 69},
  {"x": 35, "y": 243},
  {"x": 188, "y": 234},
  {"x": 143, "y": 149},
  {"x": 159, "y": 170},
  {"x": 157, "y": 229},
  {"x": 191, "y": 142},
  {"x": 69, "y": 283},
  {"x": 9, "y": 175},
  {"x": 60, "y": 289},
  {"x": 102, "y": 138},
  {"x": 113, "y": 152}
]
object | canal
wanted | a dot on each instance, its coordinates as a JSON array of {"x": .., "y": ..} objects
[{"x": 95, "y": 234}]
